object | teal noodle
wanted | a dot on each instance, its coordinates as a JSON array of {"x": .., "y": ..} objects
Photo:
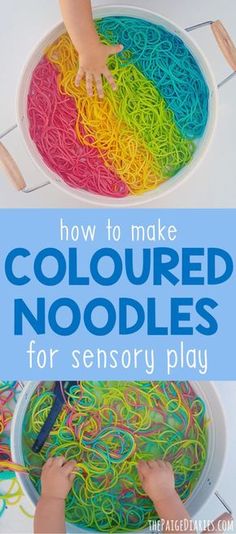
[
  {"x": 108, "y": 427},
  {"x": 165, "y": 60}
]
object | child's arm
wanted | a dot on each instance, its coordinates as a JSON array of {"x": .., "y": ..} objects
[
  {"x": 93, "y": 55},
  {"x": 158, "y": 481},
  {"x": 56, "y": 479}
]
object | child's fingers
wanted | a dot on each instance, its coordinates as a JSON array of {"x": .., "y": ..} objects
[
  {"x": 89, "y": 83},
  {"x": 152, "y": 464},
  {"x": 143, "y": 468},
  {"x": 166, "y": 466},
  {"x": 72, "y": 477},
  {"x": 69, "y": 466},
  {"x": 141, "y": 476},
  {"x": 59, "y": 461},
  {"x": 140, "y": 473},
  {"x": 106, "y": 73},
  {"x": 98, "y": 81},
  {"x": 79, "y": 77},
  {"x": 115, "y": 49},
  {"x": 161, "y": 464},
  {"x": 169, "y": 466},
  {"x": 47, "y": 464}
]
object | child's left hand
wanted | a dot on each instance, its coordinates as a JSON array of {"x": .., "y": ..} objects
[
  {"x": 158, "y": 480},
  {"x": 57, "y": 478}
]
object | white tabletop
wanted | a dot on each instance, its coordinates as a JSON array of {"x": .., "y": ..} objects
[{"x": 213, "y": 184}]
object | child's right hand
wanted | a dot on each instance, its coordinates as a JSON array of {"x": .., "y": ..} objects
[
  {"x": 157, "y": 478},
  {"x": 57, "y": 478}
]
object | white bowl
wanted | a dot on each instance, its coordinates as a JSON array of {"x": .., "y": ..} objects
[
  {"x": 210, "y": 475},
  {"x": 167, "y": 186}
]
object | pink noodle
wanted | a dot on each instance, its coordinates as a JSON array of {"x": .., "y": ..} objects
[{"x": 52, "y": 118}]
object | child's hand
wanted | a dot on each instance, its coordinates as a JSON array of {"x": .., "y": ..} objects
[
  {"x": 93, "y": 65},
  {"x": 57, "y": 478},
  {"x": 157, "y": 479}
]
